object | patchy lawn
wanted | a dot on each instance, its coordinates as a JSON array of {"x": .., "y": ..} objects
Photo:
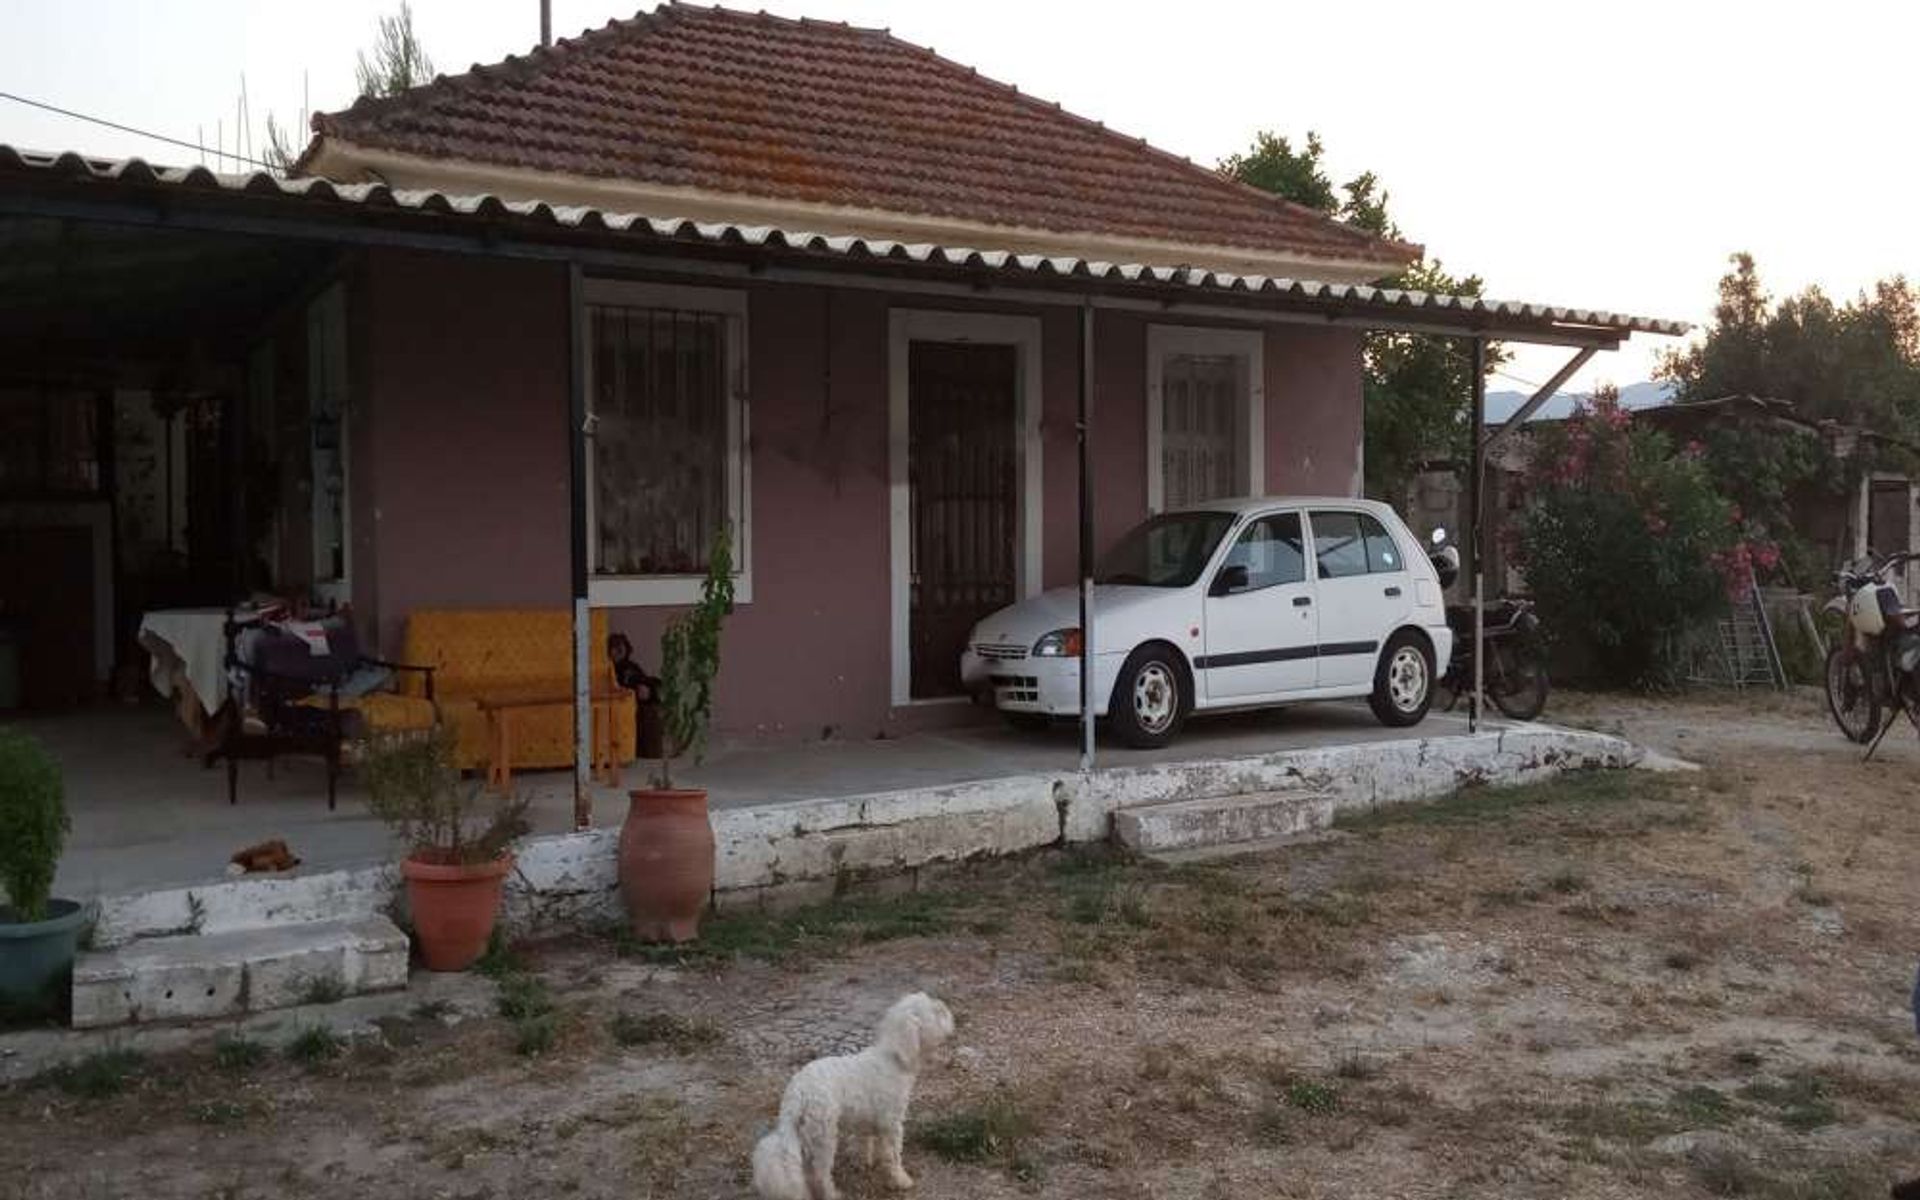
[{"x": 1611, "y": 985}]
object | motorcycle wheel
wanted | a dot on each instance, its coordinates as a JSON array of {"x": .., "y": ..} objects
[
  {"x": 1519, "y": 684},
  {"x": 1850, "y": 698}
]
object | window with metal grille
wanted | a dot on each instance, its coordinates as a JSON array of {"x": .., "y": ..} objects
[
  {"x": 1203, "y": 446},
  {"x": 663, "y": 443},
  {"x": 1205, "y": 415}
]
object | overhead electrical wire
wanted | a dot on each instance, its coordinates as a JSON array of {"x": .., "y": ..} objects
[{"x": 145, "y": 133}]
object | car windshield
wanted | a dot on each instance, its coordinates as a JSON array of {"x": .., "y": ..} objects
[{"x": 1168, "y": 551}]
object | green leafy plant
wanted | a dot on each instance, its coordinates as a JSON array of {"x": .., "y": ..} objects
[
  {"x": 414, "y": 786},
  {"x": 1625, "y": 543},
  {"x": 689, "y": 660},
  {"x": 33, "y": 823},
  {"x": 314, "y": 1045}
]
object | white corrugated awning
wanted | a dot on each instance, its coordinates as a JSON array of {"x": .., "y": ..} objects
[{"x": 260, "y": 194}]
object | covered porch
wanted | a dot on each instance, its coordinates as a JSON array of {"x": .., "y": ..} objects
[{"x": 147, "y": 817}]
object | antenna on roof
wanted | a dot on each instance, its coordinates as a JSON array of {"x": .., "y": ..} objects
[{"x": 546, "y": 22}]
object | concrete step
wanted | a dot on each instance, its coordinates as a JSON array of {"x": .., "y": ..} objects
[
  {"x": 1221, "y": 820},
  {"x": 200, "y": 976}
]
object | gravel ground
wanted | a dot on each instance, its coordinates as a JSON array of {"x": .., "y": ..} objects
[{"x": 1622, "y": 984}]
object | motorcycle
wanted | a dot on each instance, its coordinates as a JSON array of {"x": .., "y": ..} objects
[
  {"x": 1516, "y": 667},
  {"x": 1872, "y": 671}
]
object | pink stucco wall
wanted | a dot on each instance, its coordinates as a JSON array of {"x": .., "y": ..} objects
[
  {"x": 459, "y": 437},
  {"x": 460, "y": 469},
  {"x": 1315, "y": 416}
]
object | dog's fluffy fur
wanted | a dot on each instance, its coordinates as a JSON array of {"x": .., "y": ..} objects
[{"x": 863, "y": 1096}]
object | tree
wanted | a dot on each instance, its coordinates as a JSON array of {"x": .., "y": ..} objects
[
  {"x": 1627, "y": 545},
  {"x": 1856, "y": 364},
  {"x": 398, "y": 62},
  {"x": 1417, "y": 385}
]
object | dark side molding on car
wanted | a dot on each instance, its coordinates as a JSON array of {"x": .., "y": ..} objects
[{"x": 1247, "y": 658}]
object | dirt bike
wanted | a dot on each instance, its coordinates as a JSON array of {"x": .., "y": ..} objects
[
  {"x": 1871, "y": 674},
  {"x": 1516, "y": 669}
]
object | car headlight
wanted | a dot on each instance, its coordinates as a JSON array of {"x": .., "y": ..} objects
[{"x": 1061, "y": 643}]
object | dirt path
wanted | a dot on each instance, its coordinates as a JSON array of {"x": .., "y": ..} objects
[{"x": 1616, "y": 985}]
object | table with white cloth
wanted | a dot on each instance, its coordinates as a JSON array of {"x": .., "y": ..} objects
[{"x": 188, "y": 649}]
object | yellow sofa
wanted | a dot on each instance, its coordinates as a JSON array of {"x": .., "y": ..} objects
[{"x": 508, "y": 656}]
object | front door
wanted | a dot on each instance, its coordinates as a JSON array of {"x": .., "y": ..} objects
[
  {"x": 1260, "y": 634},
  {"x": 964, "y": 512},
  {"x": 1365, "y": 593}
]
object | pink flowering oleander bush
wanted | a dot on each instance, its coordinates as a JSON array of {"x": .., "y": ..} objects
[{"x": 1626, "y": 542}]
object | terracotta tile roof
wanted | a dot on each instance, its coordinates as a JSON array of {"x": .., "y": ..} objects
[{"x": 812, "y": 111}]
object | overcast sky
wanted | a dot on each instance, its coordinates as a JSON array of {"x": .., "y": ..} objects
[{"x": 1600, "y": 156}]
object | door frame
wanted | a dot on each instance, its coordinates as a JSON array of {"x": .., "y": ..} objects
[{"x": 904, "y": 327}]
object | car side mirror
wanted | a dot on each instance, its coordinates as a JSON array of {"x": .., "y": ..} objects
[{"x": 1230, "y": 579}]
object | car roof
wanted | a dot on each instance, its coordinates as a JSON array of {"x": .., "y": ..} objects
[{"x": 1241, "y": 505}]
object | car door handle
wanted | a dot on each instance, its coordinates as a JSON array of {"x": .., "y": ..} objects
[
  {"x": 1393, "y": 591},
  {"x": 1302, "y": 601}
]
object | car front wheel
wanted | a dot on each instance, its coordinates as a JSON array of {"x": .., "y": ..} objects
[
  {"x": 1403, "y": 682},
  {"x": 1150, "y": 700}
]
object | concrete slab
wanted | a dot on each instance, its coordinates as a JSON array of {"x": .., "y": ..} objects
[
  {"x": 200, "y": 976},
  {"x": 794, "y": 821},
  {"x": 1221, "y": 820},
  {"x": 147, "y": 817}
]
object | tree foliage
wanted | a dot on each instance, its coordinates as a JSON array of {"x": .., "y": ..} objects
[
  {"x": 397, "y": 61},
  {"x": 1856, "y": 364},
  {"x": 1627, "y": 544},
  {"x": 1417, "y": 385}
]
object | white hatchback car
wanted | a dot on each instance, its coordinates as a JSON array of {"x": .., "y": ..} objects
[{"x": 1233, "y": 604}]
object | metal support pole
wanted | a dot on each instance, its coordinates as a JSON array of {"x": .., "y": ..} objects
[
  {"x": 1084, "y": 427},
  {"x": 546, "y": 22},
  {"x": 1476, "y": 546},
  {"x": 577, "y": 547}
]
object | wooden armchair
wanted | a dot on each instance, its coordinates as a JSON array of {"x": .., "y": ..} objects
[{"x": 286, "y": 699}]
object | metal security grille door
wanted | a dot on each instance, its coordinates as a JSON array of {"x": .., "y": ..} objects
[
  {"x": 1203, "y": 444},
  {"x": 963, "y": 481}
]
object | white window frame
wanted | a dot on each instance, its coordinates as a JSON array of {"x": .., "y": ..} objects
[
  {"x": 1164, "y": 341},
  {"x": 904, "y": 327},
  {"x": 641, "y": 591}
]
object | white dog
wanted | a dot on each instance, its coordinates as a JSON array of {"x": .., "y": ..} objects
[{"x": 863, "y": 1095}]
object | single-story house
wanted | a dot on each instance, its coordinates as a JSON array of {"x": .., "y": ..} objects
[{"x": 544, "y": 327}]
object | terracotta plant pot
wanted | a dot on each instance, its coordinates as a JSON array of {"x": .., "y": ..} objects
[
  {"x": 666, "y": 863},
  {"x": 454, "y": 908}
]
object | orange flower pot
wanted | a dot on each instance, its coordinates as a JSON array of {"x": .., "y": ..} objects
[
  {"x": 454, "y": 908},
  {"x": 666, "y": 863}
]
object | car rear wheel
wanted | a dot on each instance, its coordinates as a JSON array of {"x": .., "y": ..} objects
[
  {"x": 1150, "y": 699},
  {"x": 1403, "y": 682}
]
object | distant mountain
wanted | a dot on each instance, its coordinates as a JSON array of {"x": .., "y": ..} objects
[{"x": 1648, "y": 393}]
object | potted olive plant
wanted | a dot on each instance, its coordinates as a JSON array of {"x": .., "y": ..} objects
[
  {"x": 38, "y": 934},
  {"x": 666, "y": 844},
  {"x": 458, "y": 843}
]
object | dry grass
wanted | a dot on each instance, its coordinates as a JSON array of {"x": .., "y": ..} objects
[{"x": 1516, "y": 992}]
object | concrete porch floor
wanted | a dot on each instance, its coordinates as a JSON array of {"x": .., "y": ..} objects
[{"x": 147, "y": 816}]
